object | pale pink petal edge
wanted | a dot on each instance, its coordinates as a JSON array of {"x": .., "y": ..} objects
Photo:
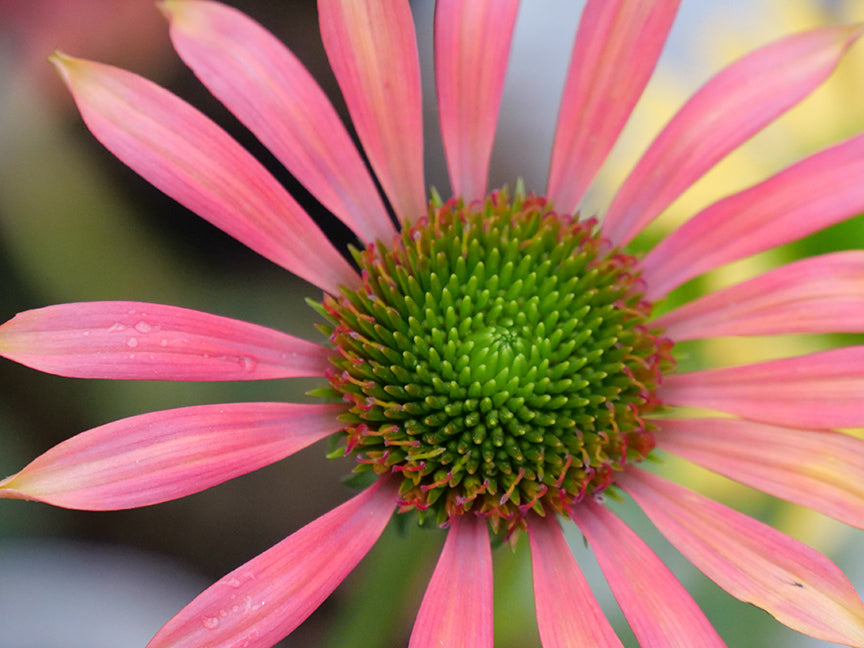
[
  {"x": 263, "y": 601},
  {"x": 567, "y": 612},
  {"x": 142, "y": 341},
  {"x": 457, "y": 607},
  {"x": 160, "y": 456}
]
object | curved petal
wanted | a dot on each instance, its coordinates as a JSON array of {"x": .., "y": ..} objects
[
  {"x": 264, "y": 600},
  {"x": 823, "y": 294},
  {"x": 472, "y": 45},
  {"x": 614, "y": 54},
  {"x": 138, "y": 341},
  {"x": 753, "y": 562},
  {"x": 811, "y": 195},
  {"x": 820, "y": 390},
  {"x": 161, "y": 456},
  {"x": 457, "y": 607},
  {"x": 658, "y": 608},
  {"x": 567, "y": 612},
  {"x": 372, "y": 49},
  {"x": 732, "y": 107},
  {"x": 820, "y": 469},
  {"x": 191, "y": 159},
  {"x": 270, "y": 91}
]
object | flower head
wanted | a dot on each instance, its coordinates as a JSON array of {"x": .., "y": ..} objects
[{"x": 494, "y": 362}]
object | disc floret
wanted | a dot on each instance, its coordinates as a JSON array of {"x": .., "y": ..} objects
[{"x": 496, "y": 356}]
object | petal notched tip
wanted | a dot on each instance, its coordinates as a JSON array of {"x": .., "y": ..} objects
[
  {"x": 64, "y": 64},
  {"x": 168, "y": 8}
]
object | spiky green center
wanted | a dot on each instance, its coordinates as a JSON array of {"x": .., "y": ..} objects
[{"x": 497, "y": 358}]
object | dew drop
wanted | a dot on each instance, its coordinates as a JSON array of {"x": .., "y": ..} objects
[
  {"x": 248, "y": 364},
  {"x": 132, "y": 342},
  {"x": 210, "y": 622},
  {"x": 117, "y": 327},
  {"x": 143, "y": 327},
  {"x": 233, "y": 582},
  {"x": 163, "y": 342}
]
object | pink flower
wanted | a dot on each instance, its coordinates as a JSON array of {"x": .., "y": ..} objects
[{"x": 495, "y": 362}]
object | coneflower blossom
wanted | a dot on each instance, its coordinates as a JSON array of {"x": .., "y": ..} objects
[{"x": 492, "y": 363}]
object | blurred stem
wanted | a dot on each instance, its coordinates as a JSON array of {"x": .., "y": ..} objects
[{"x": 391, "y": 578}]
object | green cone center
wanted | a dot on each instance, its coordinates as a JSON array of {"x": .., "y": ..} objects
[{"x": 496, "y": 358}]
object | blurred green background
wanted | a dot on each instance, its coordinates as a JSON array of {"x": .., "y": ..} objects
[{"x": 77, "y": 225}]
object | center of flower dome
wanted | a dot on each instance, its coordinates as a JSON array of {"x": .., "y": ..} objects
[{"x": 497, "y": 358}]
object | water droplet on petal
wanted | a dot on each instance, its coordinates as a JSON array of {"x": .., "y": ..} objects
[
  {"x": 249, "y": 365},
  {"x": 143, "y": 327},
  {"x": 233, "y": 582},
  {"x": 132, "y": 342},
  {"x": 117, "y": 327},
  {"x": 210, "y": 622}
]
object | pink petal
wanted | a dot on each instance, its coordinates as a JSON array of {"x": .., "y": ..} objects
[
  {"x": 372, "y": 49},
  {"x": 270, "y": 91},
  {"x": 191, "y": 159},
  {"x": 137, "y": 341},
  {"x": 261, "y": 602},
  {"x": 457, "y": 606},
  {"x": 567, "y": 612},
  {"x": 161, "y": 456},
  {"x": 824, "y": 294},
  {"x": 615, "y": 52},
  {"x": 820, "y": 469},
  {"x": 753, "y": 562},
  {"x": 815, "y": 193},
  {"x": 736, "y": 104},
  {"x": 820, "y": 390},
  {"x": 658, "y": 608},
  {"x": 472, "y": 45}
]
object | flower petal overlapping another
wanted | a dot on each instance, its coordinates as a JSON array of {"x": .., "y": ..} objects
[{"x": 784, "y": 412}]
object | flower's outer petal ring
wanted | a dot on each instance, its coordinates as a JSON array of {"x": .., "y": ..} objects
[
  {"x": 733, "y": 106},
  {"x": 567, "y": 612},
  {"x": 457, "y": 606},
  {"x": 268, "y": 89},
  {"x": 472, "y": 45},
  {"x": 261, "y": 602},
  {"x": 823, "y": 294},
  {"x": 615, "y": 52},
  {"x": 160, "y": 456},
  {"x": 752, "y": 561},
  {"x": 138, "y": 341},
  {"x": 372, "y": 48},
  {"x": 659, "y": 610},
  {"x": 813, "y": 194},
  {"x": 188, "y": 157},
  {"x": 820, "y": 469},
  {"x": 815, "y": 391}
]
